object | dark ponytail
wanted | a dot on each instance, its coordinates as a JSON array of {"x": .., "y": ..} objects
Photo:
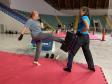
[{"x": 85, "y": 10}]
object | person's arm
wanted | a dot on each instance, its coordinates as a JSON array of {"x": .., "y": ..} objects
[
  {"x": 42, "y": 25},
  {"x": 27, "y": 25},
  {"x": 22, "y": 33},
  {"x": 86, "y": 26},
  {"x": 85, "y": 20}
]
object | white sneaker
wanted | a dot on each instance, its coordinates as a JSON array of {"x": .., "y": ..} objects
[
  {"x": 57, "y": 57},
  {"x": 36, "y": 62}
]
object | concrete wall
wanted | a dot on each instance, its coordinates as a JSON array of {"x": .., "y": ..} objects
[{"x": 10, "y": 23}]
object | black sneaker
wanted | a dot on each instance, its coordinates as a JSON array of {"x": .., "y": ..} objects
[
  {"x": 52, "y": 56},
  {"x": 67, "y": 69},
  {"x": 47, "y": 55},
  {"x": 92, "y": 69}
]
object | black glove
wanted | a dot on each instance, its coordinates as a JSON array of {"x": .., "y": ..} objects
[
  {"x": 40, "y": 20},
  {"x": 20, "y": 37}
]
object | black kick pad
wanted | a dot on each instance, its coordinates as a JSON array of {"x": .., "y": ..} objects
[{"x": 68, "y": 40}]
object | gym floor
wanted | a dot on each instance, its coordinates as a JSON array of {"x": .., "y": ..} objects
[{"x": 101, "y": 51}]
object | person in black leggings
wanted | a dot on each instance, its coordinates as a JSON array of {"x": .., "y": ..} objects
[{"x": 82, "y": 40}]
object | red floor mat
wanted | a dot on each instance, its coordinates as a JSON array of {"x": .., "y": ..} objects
[{"x": 18, "y": 69}]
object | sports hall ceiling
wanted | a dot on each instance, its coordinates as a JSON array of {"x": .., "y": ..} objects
[{"x": 75, "y": 4}]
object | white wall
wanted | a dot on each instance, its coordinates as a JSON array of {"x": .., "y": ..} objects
[
  {"x": 110, "y": 12},
  {"x": 39, "y": 5},
  {"x": 10, "y": 23},
  {"x": 98, "y": 11}
]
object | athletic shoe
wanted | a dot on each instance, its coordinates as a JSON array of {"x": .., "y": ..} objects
[
  {"x": 36, "y": 63},
  {"x": 67, "y": 69}
]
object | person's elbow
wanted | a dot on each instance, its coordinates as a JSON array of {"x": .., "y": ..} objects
[
  {"x": 87, "y": 27},
  {"x": 24, "y": 29},
  {"x": 86, "y": 24}
]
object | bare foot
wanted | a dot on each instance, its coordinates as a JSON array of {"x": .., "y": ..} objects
[{"x": 36, "y": 62}]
